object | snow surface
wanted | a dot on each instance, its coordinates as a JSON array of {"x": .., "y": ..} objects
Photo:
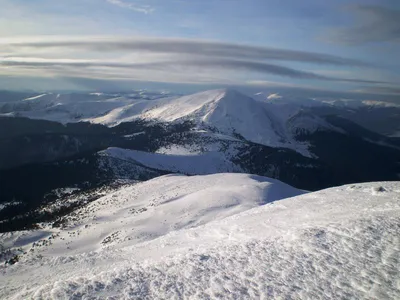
[
  {"x": 7, "y": 204},
  {"x": 181, "y": 161},
  {"x": 174, "y": 149},
  {"x": 339, "y": 243},
  {"x": 134, "y": 134},
  {"x": 35, "y": 97}
]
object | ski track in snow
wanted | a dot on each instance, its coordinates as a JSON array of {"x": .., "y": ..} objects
[{"x": 339, "y": 243}]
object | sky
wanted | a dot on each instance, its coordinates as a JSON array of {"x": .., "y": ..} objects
[{"x": 336, "y": 46}]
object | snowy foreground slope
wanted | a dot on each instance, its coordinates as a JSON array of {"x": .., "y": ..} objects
[
  {"x": 147, "y": 210},
  {"x": 207, "y": 237}
]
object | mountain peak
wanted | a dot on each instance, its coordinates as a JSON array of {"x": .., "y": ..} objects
[
  {"x": 197, "y": 107},
  {"x": 232, "y": 92}
]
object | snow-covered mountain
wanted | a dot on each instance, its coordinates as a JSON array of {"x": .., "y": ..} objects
[
  {"x": 224, "y": 111},
  {"x": 217, "y": 236},
  {"x": 374, "y": 114},
  {"x": 112, "y": 109},
  {"x": 305, "y": 122},
  {"x": 204, "y": 133},
  {"x": 82, "y": 202},
  {"x": 276, "y": 122},
  {"x": 75, "y": 107}
]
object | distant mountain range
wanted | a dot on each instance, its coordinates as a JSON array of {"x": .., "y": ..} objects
[{"x": 83, "y": 142}]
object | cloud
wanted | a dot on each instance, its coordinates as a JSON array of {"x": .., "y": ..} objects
[
  {"x": 190, "y": 47},
  {"x": 296, "y": 91},
  {"x": 274, "y": 96},
  {"x": 381, "y": 90},
  {"x": 252, "y": 66},
  {"x": 177, "y": 65},
  {"x": 146, "y": 9},
  {"x": 162, "y": 60},
  {"x": 373, "y": 24}
]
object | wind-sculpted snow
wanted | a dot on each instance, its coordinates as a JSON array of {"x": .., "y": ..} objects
[
  {"x": 339, "y": 243},
  {"x": 323, "y": 264}
]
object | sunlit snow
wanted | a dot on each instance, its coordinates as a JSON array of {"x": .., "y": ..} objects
[{"x": 207, "y": 237}]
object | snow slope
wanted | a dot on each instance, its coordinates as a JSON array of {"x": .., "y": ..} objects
[
  {"x": 226, "y": 110},
  {"x": 305, "y": 122},
  {"x": 153, "y": 208},
  {"x": 107, "y": 109},
  {"x": 339, "y": 243},
  {"x": 185, "y": 163},
  {"x": 67, "y": 110}
]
